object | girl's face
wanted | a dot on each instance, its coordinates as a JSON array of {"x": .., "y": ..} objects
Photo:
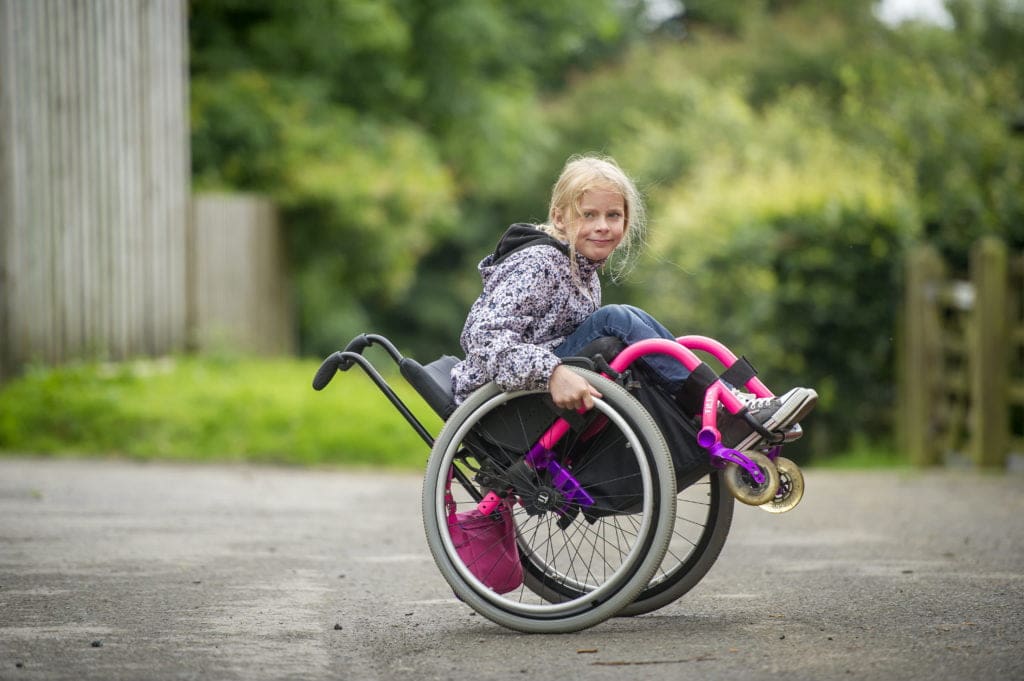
[{"x": 600, "y": 225}]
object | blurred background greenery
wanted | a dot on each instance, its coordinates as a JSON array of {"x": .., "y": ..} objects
[{"x": 790, "y": 150}]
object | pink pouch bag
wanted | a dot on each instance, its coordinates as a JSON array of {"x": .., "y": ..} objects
[{"x": 487, "y": 545}]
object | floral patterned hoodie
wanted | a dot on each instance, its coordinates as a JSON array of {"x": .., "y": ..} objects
[{"x": 531, "y": 301}]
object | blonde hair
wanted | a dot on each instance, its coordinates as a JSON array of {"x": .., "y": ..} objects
[{"x": 583, "y": 173}]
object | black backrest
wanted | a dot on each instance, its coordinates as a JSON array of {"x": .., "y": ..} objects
[{"x": 433, "y": 382}]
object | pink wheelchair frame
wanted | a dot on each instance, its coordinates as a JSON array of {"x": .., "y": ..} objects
[{"x": 541, "y": 455}]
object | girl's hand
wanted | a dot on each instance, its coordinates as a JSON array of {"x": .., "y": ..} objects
[{"x": 569, "y": 390}]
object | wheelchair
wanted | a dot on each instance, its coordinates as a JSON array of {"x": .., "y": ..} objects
[{"x": 617, "y": 511}]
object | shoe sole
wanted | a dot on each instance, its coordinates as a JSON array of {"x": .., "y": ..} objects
[
  {"x": 792, "y": 411},
  {"x": 793, "y": 433}
]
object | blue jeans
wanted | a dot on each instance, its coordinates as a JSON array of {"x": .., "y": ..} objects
[{"x": 629, "y": 324}]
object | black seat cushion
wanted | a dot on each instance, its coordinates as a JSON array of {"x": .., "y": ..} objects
[{"x": 606, "y": 346}]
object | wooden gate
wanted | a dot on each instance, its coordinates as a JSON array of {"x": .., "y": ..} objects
[{"x": 962, "y": 378}]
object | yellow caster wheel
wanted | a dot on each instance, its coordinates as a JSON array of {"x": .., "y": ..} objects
[
  {"x": 791, "y": 487},
  {"x": 743, "y": 486}
]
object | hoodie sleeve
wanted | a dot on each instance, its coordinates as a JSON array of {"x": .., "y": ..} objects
[{"x": 517, "y": 295}]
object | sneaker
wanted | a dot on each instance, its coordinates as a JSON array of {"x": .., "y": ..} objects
[{"x": 775, "y": 414}]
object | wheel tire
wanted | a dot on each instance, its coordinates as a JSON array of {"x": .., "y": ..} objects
[{"x": 542, "y": 605}]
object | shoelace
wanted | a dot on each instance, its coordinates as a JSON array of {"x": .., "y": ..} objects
[
  {"x": 753, "y": 402},
  {"x": 761, "y": 403}
]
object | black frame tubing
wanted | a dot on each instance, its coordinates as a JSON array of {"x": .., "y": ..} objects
[{"x": 352, "y": 355}]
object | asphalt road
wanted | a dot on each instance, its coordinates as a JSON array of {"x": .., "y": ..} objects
[{"x": 114, "y": 570}]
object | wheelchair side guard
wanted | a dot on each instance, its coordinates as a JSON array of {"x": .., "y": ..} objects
[{"x": 432, "y": 382}]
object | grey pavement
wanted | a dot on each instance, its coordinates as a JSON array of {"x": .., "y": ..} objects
[{"x": 120, "y": 570}]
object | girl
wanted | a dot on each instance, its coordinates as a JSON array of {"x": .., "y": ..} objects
[{"x": 541, "y": 301}]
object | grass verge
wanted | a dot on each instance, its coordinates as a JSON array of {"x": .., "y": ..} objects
[
  {"x": 211, "y": 409},
  {"x": 237, "y": 409}
]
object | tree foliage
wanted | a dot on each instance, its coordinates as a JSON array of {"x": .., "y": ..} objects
[
  {"x": 790, "y": 151},
  {"x": 385, "y": 128}
]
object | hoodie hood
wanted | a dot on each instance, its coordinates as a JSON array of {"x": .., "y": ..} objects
[{"x": 520, "y": 236}]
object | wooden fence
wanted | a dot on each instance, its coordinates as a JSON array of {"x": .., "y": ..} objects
[
  {"x": 101, "y": 255},
  {"x": 239, "y": 287},
  {"x": 94, "y": 179},
  {"x": 962, "y": 382}
]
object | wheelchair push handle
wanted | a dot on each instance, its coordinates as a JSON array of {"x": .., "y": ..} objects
[
  {"x": 337, "y": 361},
  {"x": 357, "y": 345},
  {"x": 328, "y": 368},
  {"x": 343, "y": 360}
]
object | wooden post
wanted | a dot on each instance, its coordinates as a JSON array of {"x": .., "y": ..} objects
[
  {"x": 1015, "y": 338},
  {"x": 922, "y": 355},
  {"x": 989, "y": 358}
]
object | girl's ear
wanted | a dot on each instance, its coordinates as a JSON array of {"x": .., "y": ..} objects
[{"x": 558, "y": 219}]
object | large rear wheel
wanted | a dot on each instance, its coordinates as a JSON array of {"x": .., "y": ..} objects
[{"x": 582, "y": 562}]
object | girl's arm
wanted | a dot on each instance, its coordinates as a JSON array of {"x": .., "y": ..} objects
[{"x": 516, "y": 297}]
